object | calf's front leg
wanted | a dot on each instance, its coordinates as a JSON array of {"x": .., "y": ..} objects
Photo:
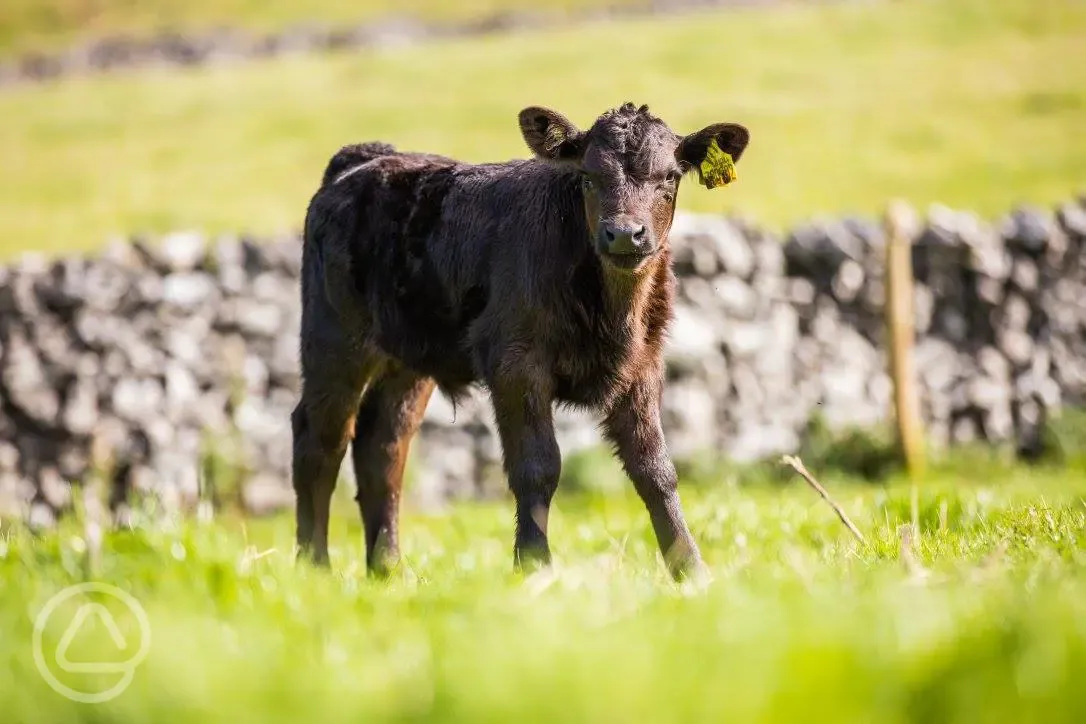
[
  {"x": 532, "y": 460},
  {"x": 633, "y": 425}
]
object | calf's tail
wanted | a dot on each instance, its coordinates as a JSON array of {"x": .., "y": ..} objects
[{"x": 354, "y": 155}]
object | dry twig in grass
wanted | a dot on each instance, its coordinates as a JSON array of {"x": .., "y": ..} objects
[{"x": 797, "y": 465}]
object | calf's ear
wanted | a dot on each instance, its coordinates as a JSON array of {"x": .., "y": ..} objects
[
  {"x": 550, "y": 135},
  {"x": 704, "y": 151}
]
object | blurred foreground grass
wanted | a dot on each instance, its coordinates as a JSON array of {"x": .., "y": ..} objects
[
  {"x": 799, "y": 624},
  {"x": 974, "y": 103}
]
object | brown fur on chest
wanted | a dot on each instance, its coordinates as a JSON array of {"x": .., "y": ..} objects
[{"x": 608, "y": 347}]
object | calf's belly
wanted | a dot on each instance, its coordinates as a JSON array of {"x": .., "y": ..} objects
[{"x": 441, "y": 355}]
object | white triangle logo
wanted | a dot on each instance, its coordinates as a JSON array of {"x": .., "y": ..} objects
[{"x": 96, "y": 667}]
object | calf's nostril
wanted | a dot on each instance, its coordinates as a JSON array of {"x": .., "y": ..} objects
[{"x": 639, "y": 234}]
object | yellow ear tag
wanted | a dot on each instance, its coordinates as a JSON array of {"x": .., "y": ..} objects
[{"x": 717, "y": 169}]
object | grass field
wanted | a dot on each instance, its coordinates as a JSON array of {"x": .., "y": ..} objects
[
  {"x": 800, "y": 622},
  {"x": 974, "y": 103},
  {"x": 35, "y": 25}
]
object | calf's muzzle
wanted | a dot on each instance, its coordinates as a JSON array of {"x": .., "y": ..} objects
[{"x": 625, "y": 241}]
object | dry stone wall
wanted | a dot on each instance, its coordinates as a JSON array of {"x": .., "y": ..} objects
[{"x": 156, "y": 357}]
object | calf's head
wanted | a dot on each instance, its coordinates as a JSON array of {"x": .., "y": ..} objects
[{"x": 630, "y": 165}]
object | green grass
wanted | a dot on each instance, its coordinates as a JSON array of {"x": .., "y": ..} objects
[
  {"x": 974, "y": 103},
  {"x": 800, "y": 623},
  {"x": 36, "y": 25}
]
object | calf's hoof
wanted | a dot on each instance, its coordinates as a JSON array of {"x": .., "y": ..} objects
[
  {"x": 685, "y": 564},
  {"x": 531, "y": 557},
  {"x": 695, "y": 574},
  {"x": 318, "y": 559},
  {"x": 382, "y": 565}
]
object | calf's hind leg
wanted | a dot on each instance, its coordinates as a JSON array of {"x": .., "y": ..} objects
[
  {"x": 390, "y": 414},
  {"x": 322, "y": 424}
]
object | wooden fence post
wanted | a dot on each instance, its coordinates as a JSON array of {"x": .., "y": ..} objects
[{"x": 900, "y": 336}]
